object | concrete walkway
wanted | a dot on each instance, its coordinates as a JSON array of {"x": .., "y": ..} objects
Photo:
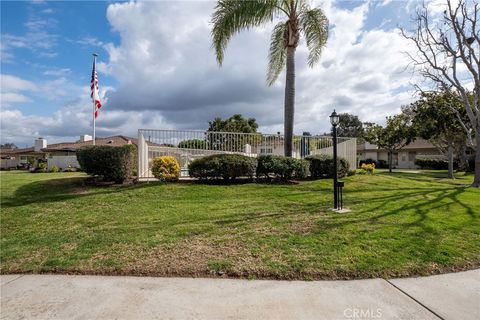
[{"x": 451, "y": 296}]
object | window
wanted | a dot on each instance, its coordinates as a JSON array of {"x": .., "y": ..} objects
[{"x": 412, "y": 155}]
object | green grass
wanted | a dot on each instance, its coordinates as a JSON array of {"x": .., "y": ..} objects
[{"x": 400, "y": 224}]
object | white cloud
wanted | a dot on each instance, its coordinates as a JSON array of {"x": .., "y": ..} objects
[
  {"x": 57, "y": 72},
  {"x": 12, "y": 97},
  {"x": 164, "y": 62},
  {"x": 13, "y": 83},
  {"x": 168, "y": 77}
]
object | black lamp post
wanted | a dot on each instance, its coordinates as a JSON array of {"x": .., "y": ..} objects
[{"x": 334, "y": 120}]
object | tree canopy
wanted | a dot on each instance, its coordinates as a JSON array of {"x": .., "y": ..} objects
[
  {"x": 397, "y": 133},
  {"x": 349, "y": 126},
  {"x": 236, "y": 123}
]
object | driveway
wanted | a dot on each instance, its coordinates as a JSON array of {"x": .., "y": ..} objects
[{"x": 450, "y": 296}]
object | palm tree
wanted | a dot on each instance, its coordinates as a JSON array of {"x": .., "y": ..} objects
[{"x": 233, "y": 16}]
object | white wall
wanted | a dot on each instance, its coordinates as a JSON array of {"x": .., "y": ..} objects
[
  {"x": 9, "y": 163},
  {"x": 63, "y": 162}
]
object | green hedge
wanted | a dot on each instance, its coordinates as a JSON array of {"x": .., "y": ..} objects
[
  {"x": 226, "y": 166},
  {"x": 281, "y": 167},
  {"x": 321, "y": 166},
  {"x": 434, "y": 164},
  {"x": 111, "y": 163}
]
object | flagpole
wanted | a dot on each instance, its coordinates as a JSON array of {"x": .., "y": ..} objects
[{"x": 94, "y": 105}]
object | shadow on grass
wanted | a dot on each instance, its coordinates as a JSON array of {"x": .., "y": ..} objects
[{"x": 62, "y": 189}]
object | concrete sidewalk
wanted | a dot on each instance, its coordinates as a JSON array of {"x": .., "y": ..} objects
[{"x": 451, "y": 296}]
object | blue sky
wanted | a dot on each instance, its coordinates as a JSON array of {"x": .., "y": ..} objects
[
  {"x": 64, "y": 30},
  {"x": 156, "y": 68}
]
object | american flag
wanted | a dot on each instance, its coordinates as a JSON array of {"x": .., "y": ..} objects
[{"x": 94, "y": 90}]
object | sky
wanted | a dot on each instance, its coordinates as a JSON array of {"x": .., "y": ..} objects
[{"x": 157, "y": 69}]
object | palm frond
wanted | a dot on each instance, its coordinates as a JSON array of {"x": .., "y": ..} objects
[
  {"x": 314, "y": 25},
  {"x": 232, "y": 16},
  {"x": 277, "y": 54}
]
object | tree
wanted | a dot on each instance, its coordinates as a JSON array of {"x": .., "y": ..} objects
[
  {"x": 219, "y": 138},
  {"x": 193, "y": 144},
  {"x": 236, "y": 123},
  {"x": 434, "y": 120},
  {"x": 233, "y": 16},
  {"x": 9, "y": 145},
  {"x": 449, "y": 58},
  {"x": 349, "y": 126},
  {"x": 397, "y": 133}
]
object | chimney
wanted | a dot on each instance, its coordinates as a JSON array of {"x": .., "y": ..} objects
[
  {"x": 39, "y": 144},
  {"x": 85, "y": 137}
]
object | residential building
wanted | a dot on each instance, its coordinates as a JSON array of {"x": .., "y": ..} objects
[
  {"x": 62, "y": 155},
  {"x": 402, "y": 159}
]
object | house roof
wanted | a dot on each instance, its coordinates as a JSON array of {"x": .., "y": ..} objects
[{"x": 115, "y": 141}]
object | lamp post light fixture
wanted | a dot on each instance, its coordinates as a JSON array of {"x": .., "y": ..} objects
[{"x": 334, "y": 120}]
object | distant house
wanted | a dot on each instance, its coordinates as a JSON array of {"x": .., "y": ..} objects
[
  {"x": 62, "y": 155},
  {"x": 404, "y": 158}
]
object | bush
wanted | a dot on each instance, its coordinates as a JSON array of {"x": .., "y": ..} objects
[
  {"x": 193, "y": 144},
  {"x": 351, "y": 173},
  {"x": 111, "y": 163},
  {"x": 368, "y": 168},
  {"x": 55, "y": 169},
  {"x": 379, "y": 164},
  {"x": 434, "y": 164},
  {"x": 166, "y": 168},
  {"x": 41, "y": 167},
  {"x": 226, "y": 166},
  {"x": 281, "y": 167},
  {"x": 321, "y": 166}
]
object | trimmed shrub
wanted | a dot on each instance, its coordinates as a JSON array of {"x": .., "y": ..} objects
[
  {"x": 368, "y": 168},
  {"x": 434, "y": 164},
  {"x": 193, "y": 144},
  {"x": 166, "y": 168},
  {"x": 379, "y": 164},
  {"x": 281, "y": 167},
  {"x": 111, "y": 163},
  {"x": 321, "y": 166},
  {"x": 55, "y": 169},
  {"x": 226, "y": 166}
]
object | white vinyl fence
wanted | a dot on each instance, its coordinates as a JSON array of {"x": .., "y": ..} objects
[{"x": 188, "y": 145}]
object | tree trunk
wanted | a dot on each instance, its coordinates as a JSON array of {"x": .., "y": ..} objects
[
  {"x": 390, "y": 158},
  {"x": 462, "y": 157},
  {"x": 476, "y": 180},
  {"x": 289, "y": 101},
  {"x": 450, "y": 160}
]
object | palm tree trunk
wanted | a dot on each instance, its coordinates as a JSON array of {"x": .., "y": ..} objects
[{"x": 289, "y": 101}]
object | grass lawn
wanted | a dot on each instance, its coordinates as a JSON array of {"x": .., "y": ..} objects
[{"x": 401, "y": 224}]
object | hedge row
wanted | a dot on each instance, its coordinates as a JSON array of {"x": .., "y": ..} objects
[
  {"x": 321, "y": 166},
  {"x": 110, "y": 163},
  {"x": 280, "y": 167},
  {"x": 226, "y": 166},
  {"x": 232, "y": 166},
  {"x": 434, "y": 164}
]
